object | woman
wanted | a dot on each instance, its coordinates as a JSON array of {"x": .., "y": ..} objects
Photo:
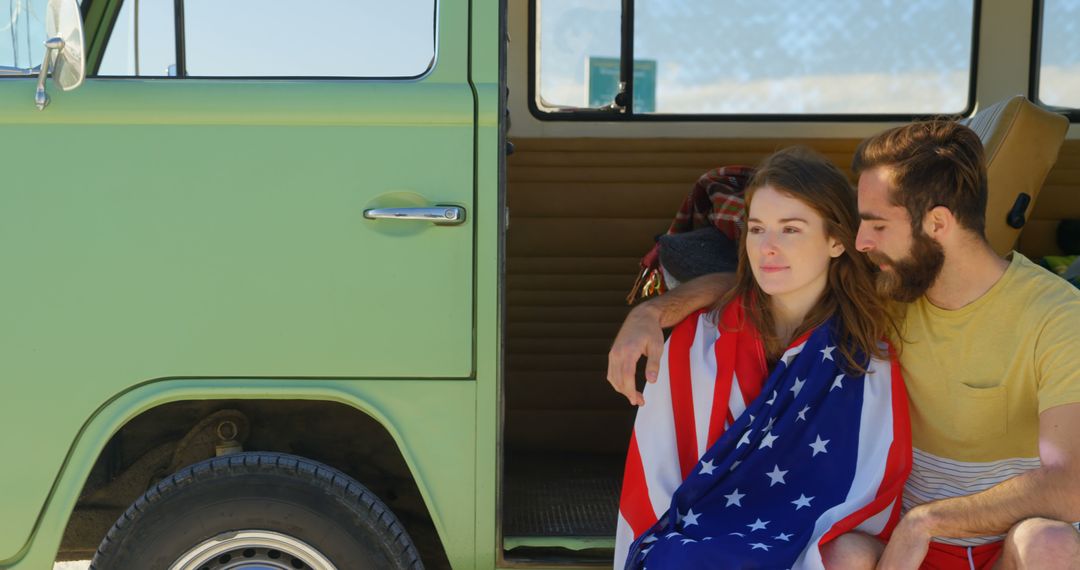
[{"x": 779, "y": 420}]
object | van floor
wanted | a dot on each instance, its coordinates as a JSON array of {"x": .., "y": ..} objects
[{"x": 561, "y": 500}]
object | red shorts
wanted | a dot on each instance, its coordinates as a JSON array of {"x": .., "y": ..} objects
[{"x": 949, "y": 557}]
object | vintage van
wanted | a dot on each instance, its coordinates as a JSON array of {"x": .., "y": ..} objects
[{"x": 331, "y": 284}]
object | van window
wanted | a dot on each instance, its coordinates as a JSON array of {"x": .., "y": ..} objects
[
  {"x": 254, "y": 38},
  {"x": 762, "y": 57},
  {"x": 1059, "y": 55},
  {"x": 22, "y": 33}
]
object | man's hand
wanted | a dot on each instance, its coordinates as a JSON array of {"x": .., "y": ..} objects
[
  {"x": 640, "y": 335},
  {"x": 909, "y": 543}
]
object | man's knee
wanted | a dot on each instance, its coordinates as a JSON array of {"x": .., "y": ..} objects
[
  {"x": 1043, "y": 543},
  {"x": 852, "y": 551}
]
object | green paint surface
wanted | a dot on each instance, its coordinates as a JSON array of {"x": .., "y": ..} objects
[{"x": 165, "y": 240}]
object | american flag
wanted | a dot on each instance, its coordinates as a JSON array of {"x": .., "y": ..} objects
[{"x": 732, "y": 467}]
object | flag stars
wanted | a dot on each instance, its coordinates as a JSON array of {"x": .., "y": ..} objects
[
  {"x": 802, "y": 413},
  {"x": 689, "y": 519},
  {"x": 745, "y": 439},
  {"x": 707, "y": 467},
  {"x": 758, "y": 524},
  {"x": 772, "y": 399},
  {"x": 776, "y": 476},
  {"x": 688, "y": 540},
  {"x": 734, "y": 464},
  {"x": 826, "y": 353},
  {"x": 819, "y": 446},
  {"x": 783, "y": 537},
  {"x": 768, "y": 426},
  {"x": 649, "y": 539},
  {"x": 768, "y": 440},
  {"x": 802, "y": 501},
  {"x": 837, "y": 383},
  {"x": 759, "y": 546},
  {"x": 734, "y": 498},
  {"x": 798, "y": 386}
]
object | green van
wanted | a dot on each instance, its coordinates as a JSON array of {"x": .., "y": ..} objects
[{"x": 331, "y": 284}]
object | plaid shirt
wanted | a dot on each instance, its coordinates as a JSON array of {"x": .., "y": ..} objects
[{"x": 717, "y": 198}]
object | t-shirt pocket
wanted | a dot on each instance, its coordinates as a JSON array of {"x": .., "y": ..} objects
[{"x": 978, "y": 413}]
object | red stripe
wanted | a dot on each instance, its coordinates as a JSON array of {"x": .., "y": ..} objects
[
  {"x": 724, "y": 349},
  {"x": 750, "y": 365},
  {"x": 682, "y": 394},
  {"x": 897, "y": 465},
  {"x": 634, "y": 504}
]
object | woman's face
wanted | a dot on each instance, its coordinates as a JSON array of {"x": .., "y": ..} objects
[{"x": 787, "y": 247}]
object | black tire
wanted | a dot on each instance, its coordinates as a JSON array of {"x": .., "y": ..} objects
[{"x": 265, "y": 492}]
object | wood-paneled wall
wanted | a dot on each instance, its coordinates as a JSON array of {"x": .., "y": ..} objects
[{"x": 582, "y": 213}]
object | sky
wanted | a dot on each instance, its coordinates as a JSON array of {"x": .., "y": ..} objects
[{"x": 789, "y": 56}]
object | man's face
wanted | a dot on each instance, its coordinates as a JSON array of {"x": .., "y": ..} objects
[{"x": 909, "y": 260}]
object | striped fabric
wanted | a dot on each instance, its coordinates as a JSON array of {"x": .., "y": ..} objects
[
  {"x": 933, "y": 478},
  {"x": 710, "y": 373}
]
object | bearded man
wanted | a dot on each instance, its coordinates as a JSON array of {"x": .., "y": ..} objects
[{"x": 990, "y": 355}]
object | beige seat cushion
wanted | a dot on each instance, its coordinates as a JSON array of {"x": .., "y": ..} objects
[{"x": 1022, "y": 142}]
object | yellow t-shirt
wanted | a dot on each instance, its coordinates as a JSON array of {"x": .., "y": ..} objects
[{"x": 978, "y": 377}]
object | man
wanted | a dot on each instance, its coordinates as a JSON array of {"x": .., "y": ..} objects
[{"x": 989, "y": 352}]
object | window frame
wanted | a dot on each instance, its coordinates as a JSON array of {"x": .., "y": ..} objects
[
  {"x": 181, "y": 56},
  {"x": 1035, "y": 67},
  {"x": 627, "y": 115}
]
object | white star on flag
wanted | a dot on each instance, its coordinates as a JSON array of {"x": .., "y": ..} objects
[
  {"x": 759, "y": 546},
  {"x": 707, "y": 467},
  {"x": 738, "y": 534},
  {"x": 819, "y": 445},
  {"x": 802, "y": 501},
  {"x": 734, "y": 498},
  {"x": 767, "y": 441},
  {"x": 790, "y": 356},
  {"x": 768, "y": 426},
  {"x": 758, "y": 525},
  {"x": 772, "y": 399},
  {"x": 836, "y": 383},
  {"x": 802, "y": 413},
  {"x": 671, "y": 534},
  {"x": 777, "y": 476},
  {"x": 798, "y": 386},
  {"x": 689, "y": 519},
  {"x": 734, "y": 464},
  {"x": 686, "y": 540},
  {"x": 745, "y": 439},
  {"x": 826, "y": 353},
  {"x": 783, "y": 537},
  {"x": 649, "y": 539}
]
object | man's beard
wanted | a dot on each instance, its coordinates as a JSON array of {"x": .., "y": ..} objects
[{"x": 909, "y": 278}]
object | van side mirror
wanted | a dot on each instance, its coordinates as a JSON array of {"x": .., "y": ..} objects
[{"x": 63, "y": 49}]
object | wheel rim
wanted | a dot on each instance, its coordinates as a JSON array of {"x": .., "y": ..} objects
[{"x": 252, "y": 550}]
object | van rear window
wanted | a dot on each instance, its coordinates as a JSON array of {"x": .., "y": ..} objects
[
  {"x": 754, "y": 57},
  {"x": 1058, "y": 67}
]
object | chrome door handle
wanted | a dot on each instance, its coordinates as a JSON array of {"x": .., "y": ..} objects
[{"x": 441, "y": 215}]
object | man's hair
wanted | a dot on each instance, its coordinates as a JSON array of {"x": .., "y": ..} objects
[{"x": 931, "y": 163}]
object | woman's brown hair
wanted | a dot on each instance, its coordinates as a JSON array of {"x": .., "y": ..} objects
[{"x": 863, "y": 315}]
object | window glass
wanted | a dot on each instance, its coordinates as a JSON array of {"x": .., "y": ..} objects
[
  {"x": 1059, "y": 66},
  {"x": 579, "y": 44},
  {"x": 314, "y": 38},
  {"x": 22, "y": 33},
  {"x": 146, "y": 50},
  {"x": 770, "y": 56}
]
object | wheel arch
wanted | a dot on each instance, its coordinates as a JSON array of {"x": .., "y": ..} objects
[{"x": 431, "y": 424}]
